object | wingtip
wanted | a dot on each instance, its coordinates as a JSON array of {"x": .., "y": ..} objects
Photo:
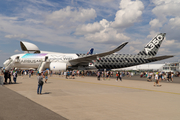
[
  {"x": 125, "y": 42},
  {"x": 122, "y": 45}
]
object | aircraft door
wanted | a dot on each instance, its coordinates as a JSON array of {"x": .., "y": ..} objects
[
  {"x": 17, "y": 59},
  {"x": 46, "y": 58}
]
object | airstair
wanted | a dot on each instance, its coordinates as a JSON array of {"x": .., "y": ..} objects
[
  {"x": 41, "y": 66},
  {"x": 8, "y": 64}
]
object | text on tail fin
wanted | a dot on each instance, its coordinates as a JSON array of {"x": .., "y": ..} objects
[{"x": 152, "y": 47}]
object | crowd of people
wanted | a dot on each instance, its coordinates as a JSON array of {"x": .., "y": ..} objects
[
  {"x": 8, "y": 74},
  {"x": 71, "y": 74},
  {"x": 158, "y": 76},
  {"x": 161, "y": 76}
]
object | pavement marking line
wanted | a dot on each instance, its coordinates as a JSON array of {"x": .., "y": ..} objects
[{"x": 121, "y": 86}]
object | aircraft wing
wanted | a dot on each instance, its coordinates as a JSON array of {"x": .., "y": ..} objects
[
  {"x": 89, "y": 58},
  {"x": 159, "y": 57}
]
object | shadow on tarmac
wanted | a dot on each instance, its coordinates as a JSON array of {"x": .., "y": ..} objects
[{"x": 14, "y": 106}]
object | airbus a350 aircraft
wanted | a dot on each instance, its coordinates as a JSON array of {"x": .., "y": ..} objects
[{"x": 62, "y": 61}]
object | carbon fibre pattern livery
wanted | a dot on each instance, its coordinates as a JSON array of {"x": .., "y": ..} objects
[
  {"x": 120, "y": 61},
  {"x": 114, "y": 61}
]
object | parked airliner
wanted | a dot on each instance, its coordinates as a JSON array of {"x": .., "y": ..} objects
[{"x": 34, "y": 58}]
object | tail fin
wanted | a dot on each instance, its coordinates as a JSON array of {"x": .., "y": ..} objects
[
  {"x": 90, "y": 51},
  {"x": 153, "y": 46}
]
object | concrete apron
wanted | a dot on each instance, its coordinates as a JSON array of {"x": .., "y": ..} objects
[{"x": 88, "y": 98}]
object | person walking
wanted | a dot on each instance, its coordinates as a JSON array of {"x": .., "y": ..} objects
[
  {"x": 29, "y": 72},
  {"x": 157, "y": 80},
  {"x": 169, "y": 77},
  {"x": 14, "y": 76},
  {"x": 98, "y": 75},
  {"x": 5, "y": 76},
  {"x": 172, "y": 77},
  {"x": 46, "y": 75},
  {"x": 40, "y": 83},
  {"x": 9, "y": 76},
  {"x": 118, "y": 75}
]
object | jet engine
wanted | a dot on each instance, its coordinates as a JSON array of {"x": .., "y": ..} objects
[{"x": 56, "y": 66}]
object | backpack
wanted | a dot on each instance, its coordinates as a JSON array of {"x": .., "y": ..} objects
[
  {"x": 117, "y": 74},
  {"x": 41, "y": 83}
]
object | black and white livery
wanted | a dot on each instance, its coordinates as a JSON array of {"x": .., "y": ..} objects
[{"x": 34, "y": 58}]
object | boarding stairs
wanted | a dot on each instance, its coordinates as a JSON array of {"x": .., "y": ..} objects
[
  {"x": 41, "y": 66},
  {"x": 11, "y": 62},
  {"x": 8, "y": 64}
]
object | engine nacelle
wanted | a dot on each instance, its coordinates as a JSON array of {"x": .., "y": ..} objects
[{"x": 56, "y": 66}]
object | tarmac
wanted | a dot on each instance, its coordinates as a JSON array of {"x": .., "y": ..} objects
[{"x": 89, "y": 99}]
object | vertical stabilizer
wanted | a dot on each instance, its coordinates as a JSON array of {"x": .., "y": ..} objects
[
  {"x": 90, "y": 51},
  {"x": 153, "y": 46}
]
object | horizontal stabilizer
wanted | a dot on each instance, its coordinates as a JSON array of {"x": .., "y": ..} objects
[{"x": 159, "y": 57}]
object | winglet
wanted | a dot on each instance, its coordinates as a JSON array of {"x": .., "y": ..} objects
[
  {"x": 119, "y": 47},
  {"x": 89, "y": 58},
  {"x": 112, "y": 51}
]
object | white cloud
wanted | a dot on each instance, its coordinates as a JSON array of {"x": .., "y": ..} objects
[
  {"x": 130, "y": 13},
  {"x": 34, "y": 21},
  {"x": 105, "y": 23},
  {"x": 70, "y": 14},
  {"x": 92, "y": 28},
  {"x": 89, "y": 28},
  {"x": 174, "y": 22},
  {"x": 16, "y": 36},
  {"x": 166, "y": 8},
  {"x": 105, "y": 0},
  {"x": 167, "y": 18},
  {"x": 152, "y": 34},
  {"x": 105, "y": 31},
  {"x": 16, "y": 51},
  {"x": 99, "y": 22},
  {"x": 169, "y": 43},
  {"x": 160, "y": 2},
  {"x": 133, "y": 50},
  {"x": 155, "y": 23},
  {"x": 108, "y": 35},
  {"x": 44, "y": 2}
]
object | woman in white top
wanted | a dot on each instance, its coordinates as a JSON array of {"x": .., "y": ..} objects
[{"x": 157, "y": 80}]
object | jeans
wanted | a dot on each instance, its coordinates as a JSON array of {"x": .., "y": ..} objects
[
  {"x": 14, "y": 78},
  {"x": 39, "y": 89}
]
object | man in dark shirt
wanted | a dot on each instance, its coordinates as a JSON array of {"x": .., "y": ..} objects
[
  {"x": 5, "y": 76},
  {"x": 9, "y": 76}
]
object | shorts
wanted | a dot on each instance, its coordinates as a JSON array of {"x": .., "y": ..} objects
[{"x": 46, "y": 77}]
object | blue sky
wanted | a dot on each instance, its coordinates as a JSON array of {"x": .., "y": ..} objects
[{"x": 75, "y": 26}]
